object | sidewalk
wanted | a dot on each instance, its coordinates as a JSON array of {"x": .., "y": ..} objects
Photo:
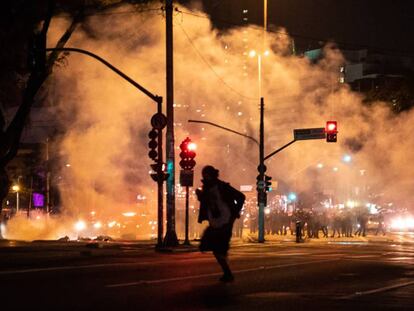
[{"x": 399, "y": 238}]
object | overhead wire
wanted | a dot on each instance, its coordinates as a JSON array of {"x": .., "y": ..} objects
[
  {"x": 119, "y": 13},
  {"x": 211, "y": 67},
  {"x": 295, "y": 35}
]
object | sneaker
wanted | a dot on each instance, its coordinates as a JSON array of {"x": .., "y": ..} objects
[{"x": 227, "y": 278}]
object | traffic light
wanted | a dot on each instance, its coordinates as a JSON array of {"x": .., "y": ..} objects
[
  {"x": 187, "y": 154},
  {"x": 331, "y": 131},
  {"x": 153, "y": 144},
  {"x": 268, "y": 183},
  {"x": 160, "y": 173},
  {"x": 258, "y": 183}
]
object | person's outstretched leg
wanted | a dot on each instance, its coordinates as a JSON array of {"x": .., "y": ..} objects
[{"x": 222, "y": 260}]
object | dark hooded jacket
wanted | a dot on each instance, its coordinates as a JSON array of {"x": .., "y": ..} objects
[{"x": 233, "y": 198}]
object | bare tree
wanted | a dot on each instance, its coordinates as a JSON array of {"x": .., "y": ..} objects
[{"x": 10, "y": 136}]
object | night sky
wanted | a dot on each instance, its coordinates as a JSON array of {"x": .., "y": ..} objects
[{"x": 384, "y": 24}]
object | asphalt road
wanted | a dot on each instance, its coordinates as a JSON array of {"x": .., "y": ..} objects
[{"x": 276, "y": 276}]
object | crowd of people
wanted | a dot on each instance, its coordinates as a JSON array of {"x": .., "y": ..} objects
[{"x": 326, "y": 223}]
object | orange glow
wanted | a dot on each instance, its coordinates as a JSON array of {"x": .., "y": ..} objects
[{"x": 129, "y": 214}]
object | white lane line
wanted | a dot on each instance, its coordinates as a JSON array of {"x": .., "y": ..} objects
[
  {"x": 105, "y": 265},
  {"x": 378, "y": 290},
  {"x": 199, "y": 276},
  {"x": 109, "y": 265}
]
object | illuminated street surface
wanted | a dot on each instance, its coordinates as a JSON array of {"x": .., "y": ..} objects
[{"x": 272, "y": 276}]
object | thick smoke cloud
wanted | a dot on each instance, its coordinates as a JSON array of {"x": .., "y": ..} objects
[{"x": 107, "y": 120}]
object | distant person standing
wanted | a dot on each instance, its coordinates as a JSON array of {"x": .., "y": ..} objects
[
  {"x": 381, "y": 225},
  {"x": 220, "y": 205}
]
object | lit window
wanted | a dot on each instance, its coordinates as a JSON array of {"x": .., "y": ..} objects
[
  {"x": 341, "y": 80},
  {"x": 245, "y": 11}
]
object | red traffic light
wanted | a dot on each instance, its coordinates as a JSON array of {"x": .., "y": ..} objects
[
  {"x": 331, "y": 131},
  {"x": 187, "y": 154},
  {"x": 331, "y": 127}
]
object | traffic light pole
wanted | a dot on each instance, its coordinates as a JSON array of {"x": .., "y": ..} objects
[
  {"x": 261, "y": 192},
  {"x": 158, "y": 100},
  {"x": 160, "y": 185},
  {"x": 170, "y": 236},
  {"x": 187, "y": 199}
]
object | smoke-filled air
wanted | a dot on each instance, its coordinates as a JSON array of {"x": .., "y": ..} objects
[{"x": 216, "y": 79}]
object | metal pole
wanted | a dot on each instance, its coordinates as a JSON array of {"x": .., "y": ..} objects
[
  {"x": 261, "y": 191},
  {"x": 187, "y": 199},
  {"x": 264, "y": 20},
  {"x": 17, "y": 201},
  {"x": 225, "y": 128},
  {"x": 259, "y": 71},
  {"x": 47, "y": 178},
  {"x": 160, "y": 183},
  {"x": 170, "y": 236},
  {"x": 278, "y": 150},
  {"x": 110, "y": 66}
]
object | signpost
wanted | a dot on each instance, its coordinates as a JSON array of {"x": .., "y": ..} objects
[
  {"x": 187, "y": 164},
  {"x": 158, "y": 123}
]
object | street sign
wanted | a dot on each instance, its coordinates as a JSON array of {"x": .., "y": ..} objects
[
  {"x": 186, "y": 178},
  {"x": 310, "y": 133},
  {"x": 246, "y": 188},
  {"x": 158, "y": 121}
]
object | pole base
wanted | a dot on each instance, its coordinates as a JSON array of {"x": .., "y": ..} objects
[{"x": 170, "y": 239}]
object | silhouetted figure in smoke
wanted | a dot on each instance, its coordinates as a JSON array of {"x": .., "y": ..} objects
[
  {"x": 381, "y": 225},
  {"x": 220, "y": 204},
  {"x": 362, "y": 220},
  {"x": 336, "y": 224}
]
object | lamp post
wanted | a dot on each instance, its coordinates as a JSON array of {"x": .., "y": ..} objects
[
  {"x": 261, "y": 189},
  {"x": 17, "y": 189}
]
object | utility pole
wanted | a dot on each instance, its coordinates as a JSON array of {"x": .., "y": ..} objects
[
  {"x": 160, "y": 183},
  {"x": 261, "y": 184},
  {"x": 170, "y": 236}
]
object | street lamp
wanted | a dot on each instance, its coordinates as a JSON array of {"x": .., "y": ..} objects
[
  {"x": 347, "y": 158},
  {"x": 252, "y": 54},
  {"x": 17, "y": 189}
]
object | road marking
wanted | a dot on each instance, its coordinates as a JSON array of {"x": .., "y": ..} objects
[
  {"x": 378, "y": 290},
  {"x": 105, "y": 265},
  {"x": 199, "y": 276}
]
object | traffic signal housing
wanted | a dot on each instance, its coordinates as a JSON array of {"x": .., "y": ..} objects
[
  {"x": 160, "y": 172},
  {"x": 268, "y": 183},
  {"x": 187, "y": 154},
  {"x": 153, "y": 144},
  {"x": 331, "y": 131}
]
